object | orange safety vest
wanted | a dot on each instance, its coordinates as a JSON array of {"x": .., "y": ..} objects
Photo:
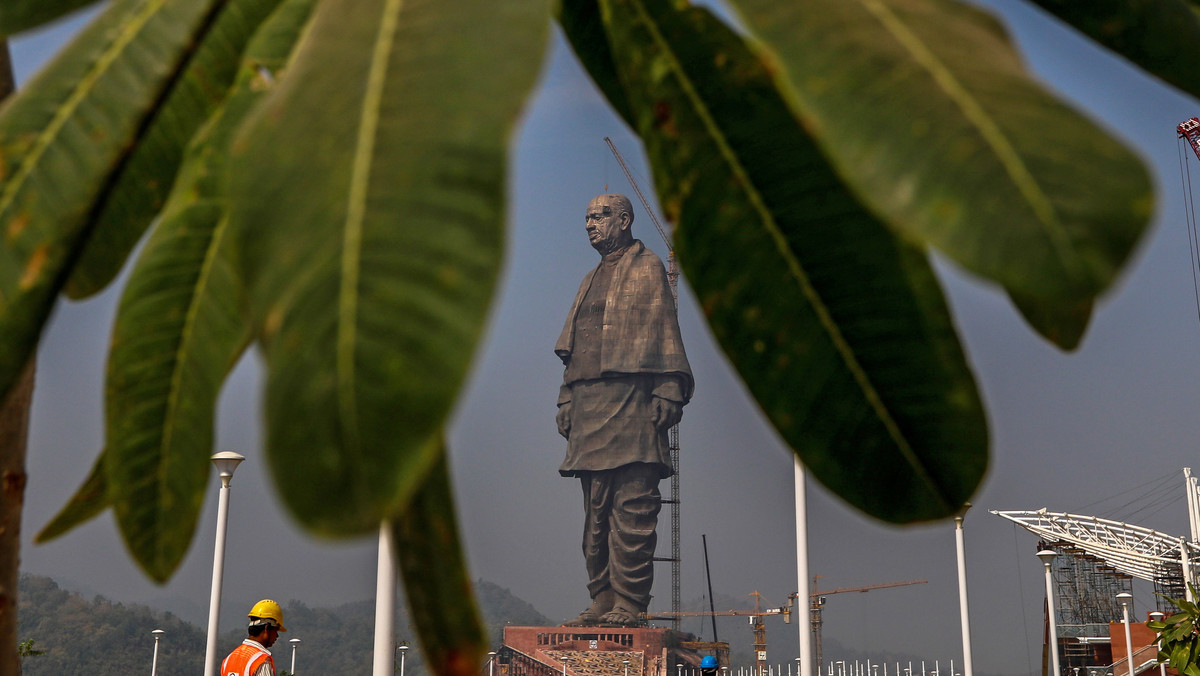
[{"x": 246, "y": 659}]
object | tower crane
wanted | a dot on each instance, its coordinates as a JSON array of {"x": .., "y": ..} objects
[
  {"x": 756, "y": 621},
  {"x": 1190, "y": 129},
  {"x": 817, "y": 603}
]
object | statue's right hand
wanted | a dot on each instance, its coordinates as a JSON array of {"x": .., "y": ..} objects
[{"x": 564, "y": 420}]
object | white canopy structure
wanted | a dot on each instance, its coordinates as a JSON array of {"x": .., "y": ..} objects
[{"x": 1136, "y": 551}]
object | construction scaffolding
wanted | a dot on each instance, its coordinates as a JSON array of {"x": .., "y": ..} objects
[
  {"x": 1168, "y": 584},
  {"x": 1085, "y": 587}
]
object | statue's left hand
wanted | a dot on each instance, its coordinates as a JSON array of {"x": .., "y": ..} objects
[
  {"x": 563, "y": 418},
  {"x": 667, "y": 413}
]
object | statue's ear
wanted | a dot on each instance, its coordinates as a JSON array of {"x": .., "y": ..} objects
[{"x": 626, "y": 220}]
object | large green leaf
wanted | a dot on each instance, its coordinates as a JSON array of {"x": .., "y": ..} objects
[
  {"x": 88, "y": 502},
  {"x": 140, "y": 189},
  {"x": 437, "y": 581},
  {"x": 1061, "y": 323},
  {"x": 179, "y": 330},
  {"x": 369, "y": 197},
  {"x": 924, "y": 108},
  {"x": 19, "y": 15},
  {"x": 585, "y": 31},
  {"x": 62, "y": 138},
  {"x": 177, "y": 333},
  {"x": 839, "y": 330},
  {"x": 1161, "y": 37}
]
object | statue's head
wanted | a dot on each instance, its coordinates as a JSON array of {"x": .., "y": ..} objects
[{"x": 610, "y": 222}]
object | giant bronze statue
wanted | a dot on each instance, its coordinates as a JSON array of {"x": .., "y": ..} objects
[{"x": 625, "y": 384}]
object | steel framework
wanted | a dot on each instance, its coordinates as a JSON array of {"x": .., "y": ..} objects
[{"x": 1097, "y": 554}]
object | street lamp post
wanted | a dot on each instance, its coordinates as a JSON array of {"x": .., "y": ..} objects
[
  {"x": 679, "y": 669},
  {"x": 402, "y": 648},
  {"x": 295, "y": 642},
  {"x": 154, "y": 662},
  {"x": 385, "y": 599},
  {"x": 626, "y": 663},
  {"x": 564, "y": 661},
  {"x": 964, "y": 613},
  {"x": 1156, "y": 616},
  {"x": 1125, "y": 598},
  {"x": 491, "y": 663},
  {"x": 1047, "y": 556},
  {"x": 226, "y": 462}
]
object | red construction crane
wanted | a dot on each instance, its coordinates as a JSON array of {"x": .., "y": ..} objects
[
  {"x": 1190, "y": 130},
  {"x": 817, "y": 600}
]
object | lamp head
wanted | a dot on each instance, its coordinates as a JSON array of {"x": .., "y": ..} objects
[
  {"x": 158, "y": 632},
  {"x": 1124, "y": 597},
  {"x": 226, "y": 462},
  {"x": 293, "y": 641},
  {"x": 1047, "y": 555}
]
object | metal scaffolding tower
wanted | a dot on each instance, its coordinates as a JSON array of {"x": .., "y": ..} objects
[{"x": 1085, "y": 587}]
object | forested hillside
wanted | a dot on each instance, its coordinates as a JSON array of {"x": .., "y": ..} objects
[{"x": 101, "y": 637}]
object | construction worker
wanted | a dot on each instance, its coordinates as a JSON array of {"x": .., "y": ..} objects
[
  {"x": 253, "y": 656},
  {"x": 708, "y": 665}
]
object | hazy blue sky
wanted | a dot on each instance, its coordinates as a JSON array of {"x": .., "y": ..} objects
[{"x": 1090, "y": 432}]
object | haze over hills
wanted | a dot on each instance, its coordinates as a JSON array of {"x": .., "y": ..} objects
[{"x": 103, "y": 637}]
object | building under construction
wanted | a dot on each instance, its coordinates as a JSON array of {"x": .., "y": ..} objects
[{"x": 1091, "y": 564}]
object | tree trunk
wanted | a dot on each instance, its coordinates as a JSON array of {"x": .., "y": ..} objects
[{"x": 14, "y": 430}]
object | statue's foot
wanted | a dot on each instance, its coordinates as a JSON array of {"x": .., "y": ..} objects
[
  {"x": 624, "y": 613},
  {"x": 590, "y": 617}
]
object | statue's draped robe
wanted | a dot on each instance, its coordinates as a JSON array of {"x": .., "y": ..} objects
[{"x": 622, "y": 349}]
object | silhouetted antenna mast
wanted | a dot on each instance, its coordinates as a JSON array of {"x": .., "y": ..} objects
[{"x": 673, "y": 434}]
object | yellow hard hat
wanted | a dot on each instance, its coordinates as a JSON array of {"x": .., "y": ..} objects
[{"x": 267, "y": 609}]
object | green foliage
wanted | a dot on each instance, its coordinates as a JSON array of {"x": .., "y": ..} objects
[
  {"x": 363, "y": 259},
  {"x": 88, "y": 502},
  {"x": 179, "y": 330},
  {"x": 100, "y": 637},
  {"x": 18, "y": 16},
  {"x": 875, "y": 366},
  {"x": 1179, "y": 637},
  {"x": 370, "y": 251},
  {"x": 994, "y": 188},
  {"x": 25, "y": 649},
  {"x": 451, "y": 635},
  {"x": 61, "y": 139}
]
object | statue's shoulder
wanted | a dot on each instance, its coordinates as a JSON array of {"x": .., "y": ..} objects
[{"x": 643, "y": 254}]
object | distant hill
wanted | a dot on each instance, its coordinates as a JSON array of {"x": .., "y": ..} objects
[{"x": 101, "y": 637}]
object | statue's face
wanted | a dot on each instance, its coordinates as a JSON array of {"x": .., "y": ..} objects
[{"x": 606, "y": 229}]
